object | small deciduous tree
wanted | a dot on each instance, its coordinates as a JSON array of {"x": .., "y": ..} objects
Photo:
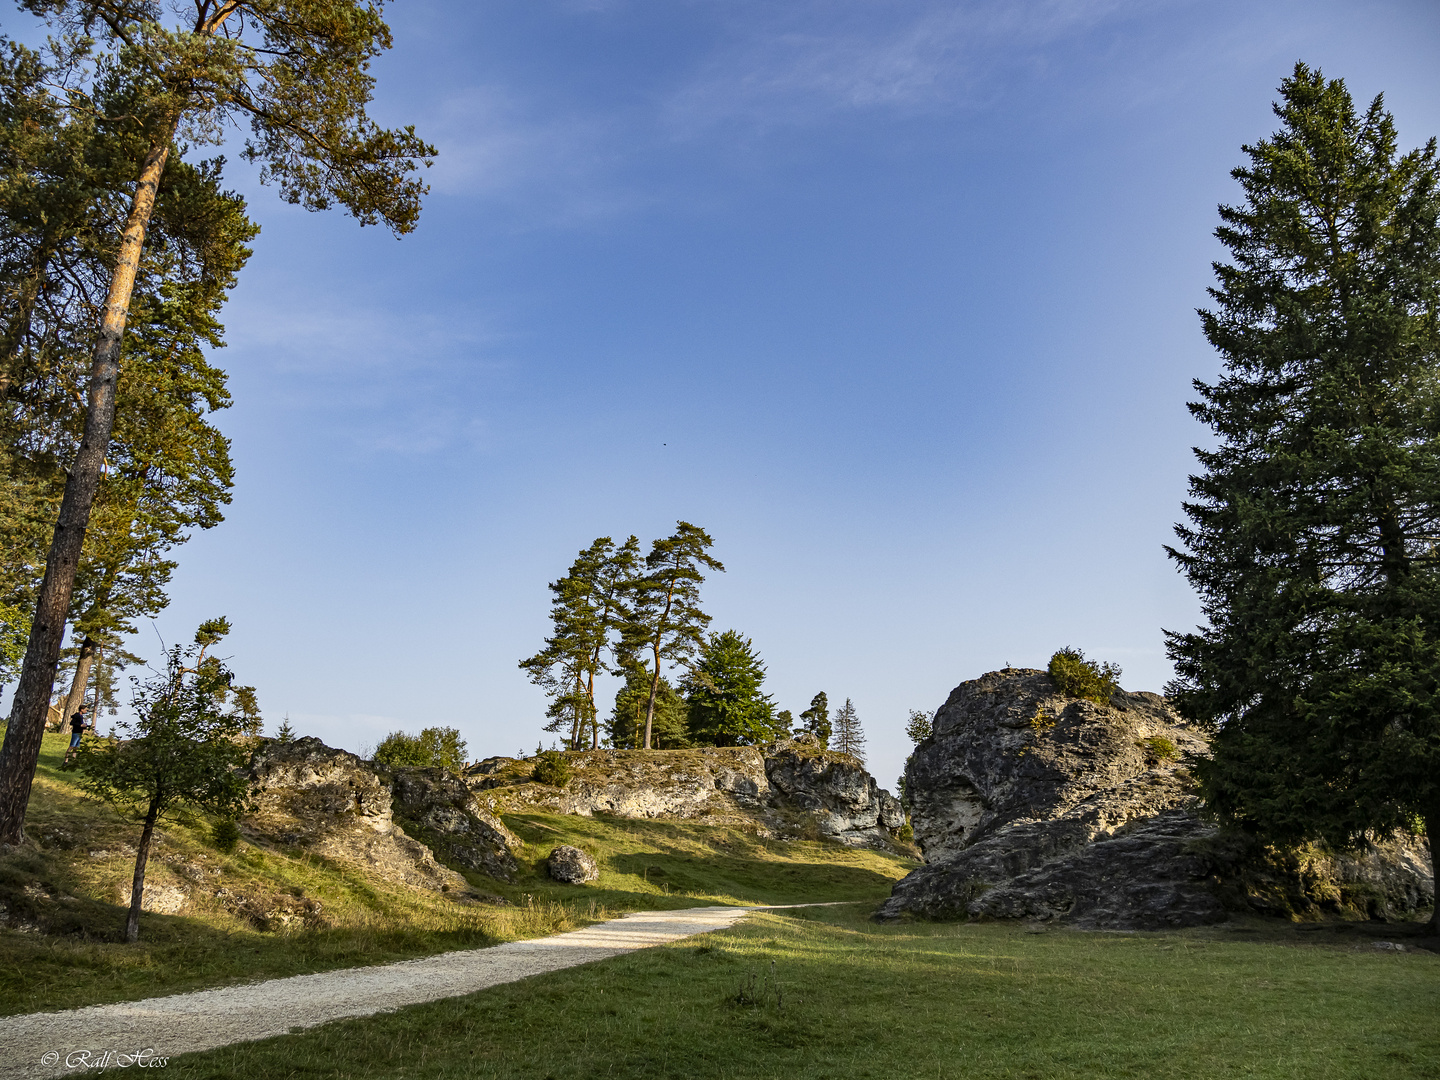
[
  {"x": 183, "y": 748},
  {"x": 434, "y": 746},
  {"x": 666, "y": 618},
  {"x": 723, "y": 691},
  {"x": 849, "y": 737},
  {"x": 816, "y": 718}
]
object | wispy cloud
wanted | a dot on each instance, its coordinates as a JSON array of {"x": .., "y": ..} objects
[{"x": 793, "y": 64}]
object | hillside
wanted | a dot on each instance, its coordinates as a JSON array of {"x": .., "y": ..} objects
[{"x": 270, "y": 909}]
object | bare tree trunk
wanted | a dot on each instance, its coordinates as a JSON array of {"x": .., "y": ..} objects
[
  {"x": 1432, "y": 837},
  {"x": 21, "y": 749},
  {"x": 137, "y": 886},
  {"x": 76, "y": 697}
]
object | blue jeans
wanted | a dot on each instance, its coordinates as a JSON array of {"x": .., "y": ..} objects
[{"x": 75, "y": 739}]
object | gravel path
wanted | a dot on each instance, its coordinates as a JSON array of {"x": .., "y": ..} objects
[{"x": 53, "y": 1044}]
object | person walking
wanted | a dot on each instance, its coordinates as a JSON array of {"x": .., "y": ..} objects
[{"x": 77, "y": 729}]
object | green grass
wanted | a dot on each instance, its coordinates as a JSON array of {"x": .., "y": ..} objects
[
  {"x": 81, "y": 900},
  {"x": 849, "y": 999}
]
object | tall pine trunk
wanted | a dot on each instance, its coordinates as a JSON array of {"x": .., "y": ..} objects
[
  {"x": 83, "y": 663},
  {"x": 21, "y": 749},
  {"x": 137, "y": 884}
]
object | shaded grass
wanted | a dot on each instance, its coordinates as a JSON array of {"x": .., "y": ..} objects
[
  {"x": 73, "y": 884},
  {"x": 825, "y": 995},
  {"x": 662, "y": 864}
]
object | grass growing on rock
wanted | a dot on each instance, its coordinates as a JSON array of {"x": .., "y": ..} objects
[
  {"x": 74, "y": 884},
  {"x": 825, "y": 994}
]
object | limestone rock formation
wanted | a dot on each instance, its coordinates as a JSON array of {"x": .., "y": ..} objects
[
  {"x": 311, "y": 795},
  {"x": 787, "y": 788},
  {"x": 571, "y": 865},
  {"x": 1028, "y": 804},
  {"x": 440, "y": 809}
]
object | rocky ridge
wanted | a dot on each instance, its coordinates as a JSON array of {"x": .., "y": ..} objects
[
  {"x": 1028, "y": 804},
  {"x": 793, "y": 788}
]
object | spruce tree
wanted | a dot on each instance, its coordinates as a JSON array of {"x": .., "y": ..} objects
[
  {"x": 723, "y": 692},
  {"x": 1313, "y": 523},
  {"x": 849, "y": 737}
]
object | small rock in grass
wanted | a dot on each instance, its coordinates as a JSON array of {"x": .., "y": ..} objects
[
  {"x": 572, "y": 866},
  {"x": 1390, "y": 946}
]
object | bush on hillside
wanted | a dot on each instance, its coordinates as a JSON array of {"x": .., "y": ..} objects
[
  {"x": 1074, "y": 676},
  {"x": 226, "y": 835},
  {"x": 552, "y": 768},
  {"x": 434, "y": 746}
]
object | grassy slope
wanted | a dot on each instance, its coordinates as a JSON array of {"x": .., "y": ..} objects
[
  {"x": 922, "y": 1000},
  {"x": 81, "y": 898}
]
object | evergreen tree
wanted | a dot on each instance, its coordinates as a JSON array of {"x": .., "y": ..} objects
[
  {"x": 724, "y": 696},
  {"x": 849, "y": 736},
  {"x": 589, "y": 611},
  {"x": 670, "y": 727},
  {"x": 1312, "y": 525},
  {"x": 920, "y": 726},
  {"x": 298, "y": 74},
  {"x": 665, "y": 617},
  {"x": 817, "y": 718},
  {"x": 62, "y": 178}
]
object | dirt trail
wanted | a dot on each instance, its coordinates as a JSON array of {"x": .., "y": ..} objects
[{"x": 54, "y": 1044}]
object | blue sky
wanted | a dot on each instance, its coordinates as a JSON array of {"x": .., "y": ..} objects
[{"x": 894, "y": 297}]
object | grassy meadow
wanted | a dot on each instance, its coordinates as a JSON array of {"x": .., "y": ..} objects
[
  {"x": 75, "y": 882},
  {"x": 824, "y": 994}
]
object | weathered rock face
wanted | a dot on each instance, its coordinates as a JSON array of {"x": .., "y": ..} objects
[
  {"x": 786, "y": 787},
  {"x": 439, "y": 808},
  {"x": 311, "y": 795},
  {"x": 571, "y": 865},
  {"x": 1027, "y": 804},
  {"x": 844, "y": 799}
]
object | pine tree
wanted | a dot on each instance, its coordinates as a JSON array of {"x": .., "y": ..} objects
[
  {"x": 723, "y": 693},
  {"x": 666, "y": 618},
  {"x": 589, "y": 611},
  {"x": 849, "y": 737},
  {"x": 670, "y": 729},
  {"x": 1313, "y": 524},
  {"x": 920, "y": 726},
  {"x": 298, "y": 75},
  {"x": 817, "y": 718}
]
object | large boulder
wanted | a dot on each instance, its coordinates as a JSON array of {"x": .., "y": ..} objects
[
  {"x": 571, "y": 865},
  {"x": 1029, "y": 804},
  {"x": 329, "y": 801}
]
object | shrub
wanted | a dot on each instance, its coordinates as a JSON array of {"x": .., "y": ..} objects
[
  {"x": 1158, "y": 748},
  {"x": 906, "y": 833},
  {"x": 226, "y": 835},
  {"x": 434, "y": 746},
  {"x": 552, "y": 768},
  {"x": 1074, "y": 676}
]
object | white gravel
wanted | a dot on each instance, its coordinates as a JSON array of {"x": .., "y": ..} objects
[{"x": 53, "y": 1044}]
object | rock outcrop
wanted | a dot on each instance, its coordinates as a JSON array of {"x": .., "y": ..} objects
[
  {"x": 1028, "y": 804},
  {"x": 791, "y": 788},
  {"x": 331, "y": 802},
  {"x": 436, "y": 806},
  {"x": 571, "y": 865}
]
